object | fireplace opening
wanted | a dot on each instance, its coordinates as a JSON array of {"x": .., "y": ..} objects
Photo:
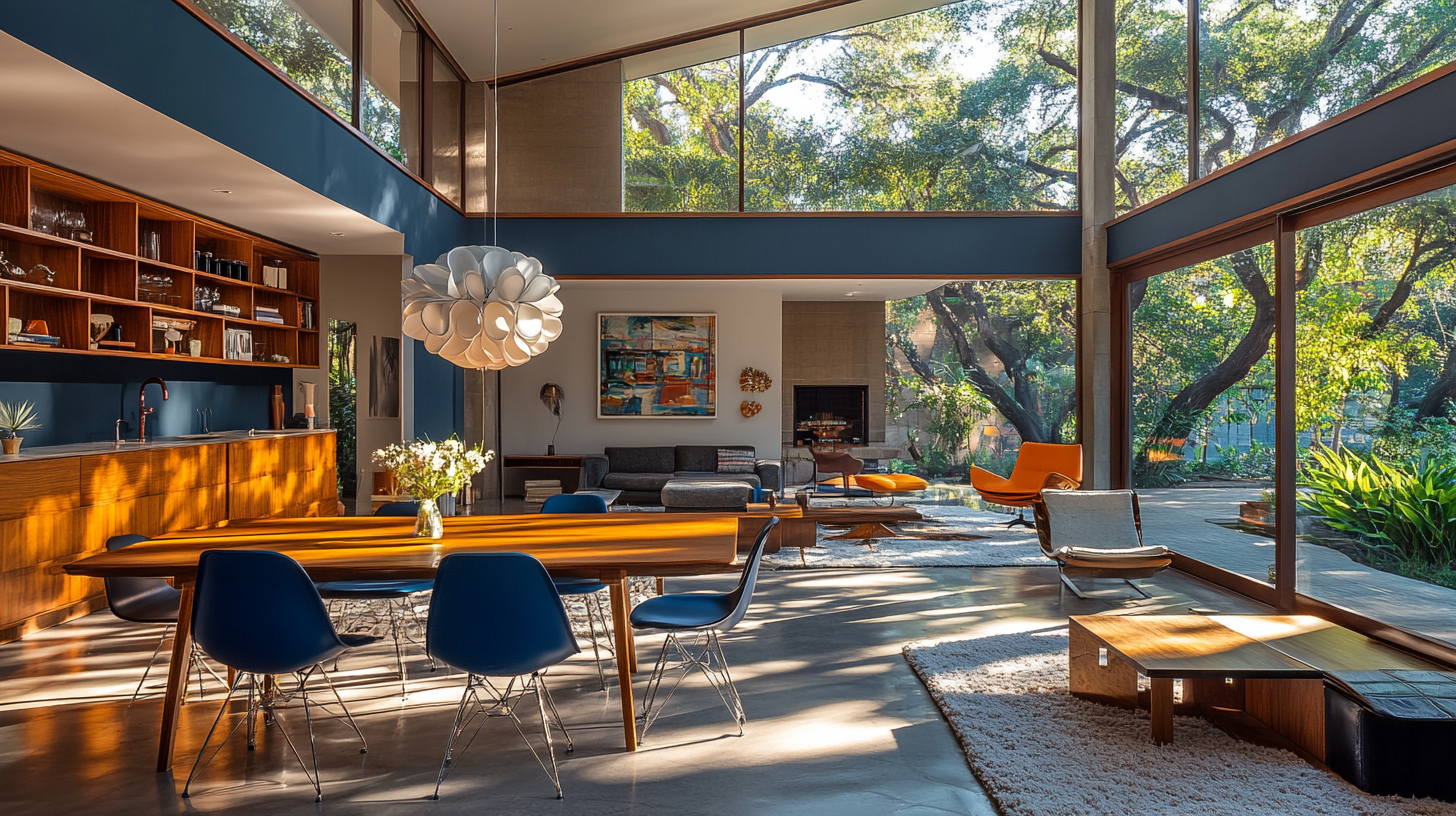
[{"x": 831, "y": 416}]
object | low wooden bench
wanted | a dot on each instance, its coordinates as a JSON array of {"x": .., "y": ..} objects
[{"x": 1382, "y": 718}]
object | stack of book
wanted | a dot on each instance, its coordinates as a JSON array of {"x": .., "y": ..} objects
[
  {"x": 275, "y": 277},
  {"x": 33, "y": 339},
  {"x": 267, "y": 314},
  {"x": 230, "y": 311},
  {"x": 539, "y": 490}
]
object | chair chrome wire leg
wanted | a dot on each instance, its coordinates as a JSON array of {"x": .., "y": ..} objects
[
  {"x": 199, "y": 763},
  {"x": 166, "y": 633},
  {"x": 1070, "y": 585},
  {"x": 504, "y": 705},
  {"x": 539, "y": 683},
  {"x": 347, "y": 718},
  {"x": 270, "y": 701},
  {"x": 704, "y": 653},
  {"x": 398, "y": 650},
  {"x": 595, "y": 615}
]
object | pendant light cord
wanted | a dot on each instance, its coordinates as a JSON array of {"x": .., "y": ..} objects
[{"x": 495, "y": 124}]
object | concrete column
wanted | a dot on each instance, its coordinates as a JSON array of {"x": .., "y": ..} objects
[
  {"x": 1096, "y": 79},
  {"x": 482, "y": 418}
]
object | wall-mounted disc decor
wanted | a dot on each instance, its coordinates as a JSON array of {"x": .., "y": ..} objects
[
  {"x": 749, "y": 408},
  {"x": 754, "y": 381}
]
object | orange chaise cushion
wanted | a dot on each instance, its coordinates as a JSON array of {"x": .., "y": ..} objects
[{"x": 890, "y": 482}]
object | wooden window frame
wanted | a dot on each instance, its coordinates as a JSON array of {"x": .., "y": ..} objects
[{"x": 1413, "y": 176}]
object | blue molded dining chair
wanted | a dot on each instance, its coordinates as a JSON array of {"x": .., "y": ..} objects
[
  {"x": 589, "y": 589},
  {"x": 400, "y": 508},
  {"x": 151, "y": 600},
  {"x": 352, "y": 596},
  {"x": 575, "y": 503},
  {"x": 258, "y": 612},
  {"x": 498, "y": 615},
  {"x": 705, "y": 615}
]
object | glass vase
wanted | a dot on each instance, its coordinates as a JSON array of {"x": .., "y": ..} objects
[{"x": 427, "y": 522}]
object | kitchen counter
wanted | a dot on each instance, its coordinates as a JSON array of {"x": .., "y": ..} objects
[
  {"x": 62, "y": 502},
  {"x": 131, "y": 445}
]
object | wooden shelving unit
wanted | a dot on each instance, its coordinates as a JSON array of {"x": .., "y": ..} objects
[{"x": 111, "y": 274}]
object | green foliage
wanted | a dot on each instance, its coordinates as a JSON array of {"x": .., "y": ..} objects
[
  {"x": 1405, "y": 515},
  {"x": 954, "y": 406},
  {"x": 286, "y": 38},
  {"x": 18, "y": 416},
  {"x": 1405, "y": 439},
  {"x": 343, "y": 399}
]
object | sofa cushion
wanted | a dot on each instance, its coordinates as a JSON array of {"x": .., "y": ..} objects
[
  {"x": 640, "y": 460},
  {"x": 746, "y": 478},
  {"x": 706, "y": 493},
  {"x": 735, "y": 460},
  {"x": 702, "y": 458},
  {"x": 649, "y": 482}
]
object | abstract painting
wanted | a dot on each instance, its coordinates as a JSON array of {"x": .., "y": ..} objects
[
  {"x": 657, "y": 366},
  {"x": 384, "y": 378}
]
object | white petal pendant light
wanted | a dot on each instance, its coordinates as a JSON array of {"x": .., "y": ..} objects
[{"x": 482, "y": 307}]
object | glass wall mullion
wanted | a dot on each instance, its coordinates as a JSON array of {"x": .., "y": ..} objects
[
  {"x": 1286, "y": 451},
  {"x": 357, "y": 92},
  {"x": 1195, "y": 116}
]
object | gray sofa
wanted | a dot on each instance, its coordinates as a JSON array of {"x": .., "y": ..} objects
[{"x": 641, "y": 473}]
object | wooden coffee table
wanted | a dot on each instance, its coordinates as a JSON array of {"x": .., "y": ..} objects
[{"x": 1218, "y": 667}]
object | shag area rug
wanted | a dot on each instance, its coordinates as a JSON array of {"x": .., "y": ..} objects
[
  {"x": 950, "y": 536},
  {"x": 1041, "y": 752}
]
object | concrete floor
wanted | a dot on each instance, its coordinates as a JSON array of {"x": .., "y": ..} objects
[{"x": 838, "y": 724}]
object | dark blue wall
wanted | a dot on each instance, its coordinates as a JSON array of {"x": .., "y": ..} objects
[
  {"x": 799, "y": 246},
  {"x": 1414, "y": 121},
  {"x": 80, "y": 398},
  {"x": 157, "y": 53}
]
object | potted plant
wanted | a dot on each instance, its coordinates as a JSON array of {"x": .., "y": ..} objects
[
  {"x": 1259, "y": 513},
  {"x": 428, "y": 470},
  {"x": 14, "y": 418}
]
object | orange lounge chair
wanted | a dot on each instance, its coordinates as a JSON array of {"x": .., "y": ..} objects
[{"x": 1039, "y": 465}]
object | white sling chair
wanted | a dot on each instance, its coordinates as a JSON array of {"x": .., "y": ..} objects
[{"x": 1096, "y": 534}]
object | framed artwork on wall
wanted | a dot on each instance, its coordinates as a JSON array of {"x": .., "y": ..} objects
[
  {"x": 651, "y": 365},
  {"x": 384, "y": 378}
]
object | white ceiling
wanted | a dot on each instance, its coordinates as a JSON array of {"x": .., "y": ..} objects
[
  {"x": 540, "y": 33},
  {"x": 51, "y": 112}
]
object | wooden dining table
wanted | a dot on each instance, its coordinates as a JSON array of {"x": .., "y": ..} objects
[{"x": 609, "y": 548}]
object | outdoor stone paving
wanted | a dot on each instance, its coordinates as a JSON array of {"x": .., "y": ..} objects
[{"x": 1178, "y": 517}]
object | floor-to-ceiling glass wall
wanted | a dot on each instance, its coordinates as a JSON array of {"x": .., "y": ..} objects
[
  {"x": 974, "y": 369},
  {"x": 1203, "y": 397},
  {"x": 1376, "y": 380}
]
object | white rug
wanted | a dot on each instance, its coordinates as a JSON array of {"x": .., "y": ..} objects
[
  {"x": 1041, "y": 752},
  {"x": 998, "y": 547}
]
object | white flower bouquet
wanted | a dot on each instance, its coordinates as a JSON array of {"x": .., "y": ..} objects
[{"x": 427, "y": 470}]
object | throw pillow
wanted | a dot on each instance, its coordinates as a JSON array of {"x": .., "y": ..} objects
[{"x": 731, "y": 460}]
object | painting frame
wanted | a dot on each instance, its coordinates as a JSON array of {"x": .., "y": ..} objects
[{"x": 671, "y": 357}]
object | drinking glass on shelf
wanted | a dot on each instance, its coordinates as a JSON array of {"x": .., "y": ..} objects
[{"x": 43, "y": 219}]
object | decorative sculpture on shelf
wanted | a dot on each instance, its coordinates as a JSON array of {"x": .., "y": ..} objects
[
  {"x": 754, "y": 381},
  {"x": 552, "y": 396},
  {"x": 749, "y": 408},
  {"x": 482, "y": 307}
]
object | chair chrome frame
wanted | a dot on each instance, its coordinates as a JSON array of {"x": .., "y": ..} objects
[
  {"x": 700, "y": 648},
  {"x": 195, "y": 660},
  {"x": 267, "y": 698},
  {"x": 503, "y": 703},
  {"x": 348, "y": 613},
  {"x": 703, "y": 652},
  {"x": 596, "y": 614}
]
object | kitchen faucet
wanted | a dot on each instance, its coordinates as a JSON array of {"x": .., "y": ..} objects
[{"x": 142, "y": 409}]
